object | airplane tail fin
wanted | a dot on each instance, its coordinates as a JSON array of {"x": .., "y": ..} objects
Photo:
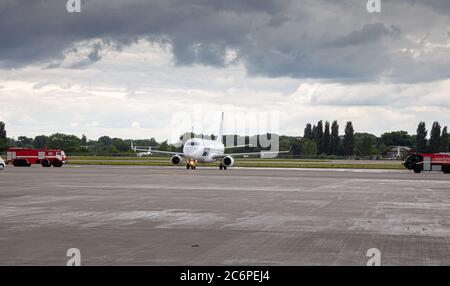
[{"x": 220, "y": 135}]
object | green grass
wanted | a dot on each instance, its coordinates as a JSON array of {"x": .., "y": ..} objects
[
  {"x": 266, "y": 164},
  {"x": 104, "y": 158},
  {"x": 154, "y": 158},
  {"x": 241, "y": 162}
]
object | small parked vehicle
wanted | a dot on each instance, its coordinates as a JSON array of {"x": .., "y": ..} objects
[{"x": 2, "y": 164}]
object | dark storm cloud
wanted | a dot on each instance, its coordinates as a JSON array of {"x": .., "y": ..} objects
[
  {"x": 324, "y": 39},
  {"x": 440, "y": 5}
]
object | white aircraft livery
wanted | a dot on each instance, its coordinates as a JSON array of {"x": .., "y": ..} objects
[{"x": 199, "y": 150}]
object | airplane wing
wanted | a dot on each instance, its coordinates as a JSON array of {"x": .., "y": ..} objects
[
  {"x": 158, "y": 152},
  {"x": 251, "y": 154},
  {"x": 150, "y": 150},
  {"x": 239, "y": 146}
]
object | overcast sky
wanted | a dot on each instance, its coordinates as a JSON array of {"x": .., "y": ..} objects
[{"x": 131, "y": 68}]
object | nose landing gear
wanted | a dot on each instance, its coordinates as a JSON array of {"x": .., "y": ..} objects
[{"x": 191, "y": 165}]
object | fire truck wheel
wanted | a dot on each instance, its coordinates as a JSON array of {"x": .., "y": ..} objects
[
  {"x": 57, "y": 164},
  {"x": 446, "y": 170},
  {"x": 417, "y": 170},
  {"x": 45, "y": 163}
]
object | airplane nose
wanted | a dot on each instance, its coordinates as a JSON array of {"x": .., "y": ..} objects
[
  {"x": 193, "y": 151},
  {"x": 198, "y": 151}
]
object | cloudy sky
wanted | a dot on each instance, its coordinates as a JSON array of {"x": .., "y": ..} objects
[{"x": 132, "y": 68}]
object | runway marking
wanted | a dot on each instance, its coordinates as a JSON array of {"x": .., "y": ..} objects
[
  {"x": 329, "y": 187},
  {"x": 181, "y": 188}
]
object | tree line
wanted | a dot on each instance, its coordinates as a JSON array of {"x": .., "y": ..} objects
[
  {"x": 321, "y": 139},
  {"x": 325, "y": 139}
]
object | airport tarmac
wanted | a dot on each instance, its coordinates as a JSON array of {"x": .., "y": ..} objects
[{"x": 124, "y": 215}]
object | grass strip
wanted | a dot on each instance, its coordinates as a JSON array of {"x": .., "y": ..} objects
[{"x": 267, "y": 164}]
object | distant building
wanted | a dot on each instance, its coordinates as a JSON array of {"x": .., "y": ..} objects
[{"x": 397, "y": 152}]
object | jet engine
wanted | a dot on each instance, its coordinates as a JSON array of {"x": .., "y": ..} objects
[
  {"x": 176, "y": 160},
  {"x": 228, "y": 161}
]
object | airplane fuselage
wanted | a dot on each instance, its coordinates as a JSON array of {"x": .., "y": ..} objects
[{"x": 203, "y": 150}]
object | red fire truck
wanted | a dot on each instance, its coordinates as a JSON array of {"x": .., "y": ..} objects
[
  {"x": 428, "y": 162},
  {"x": 25, "y": 157}
]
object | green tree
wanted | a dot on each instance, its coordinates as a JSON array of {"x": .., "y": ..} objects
[
  {"x": 3, "y": 145},
  {"x": 397, "y": 138},
  {"x": 120, "y": 145},
  {"x": 421, "y": 138},
  {"x": 68, "y": 143},
  {"x": 3, "y": 138},
  {"x": 40, "y": 142},
  {"x": 153, "y": 142},
  {"x": 2, "y": 131},
  {"x": 308, "y": 132},
  {"x": 318, "y": 137},
  {"x": 83, "y": 140},
  {"x": 435, "y": 138},
  {"x": 24, "y": 142},
  {"x": 308, "y": 147},
  {"x": 349, "y": 143},
  {"x": 364, "y": 146},
  {"x": 105, "y": 141},
  {"x": 327, "y": 139},
  {"x": 445, "y": 144},
  {"x": 382, "y": 149},
  {"x": 334, "y": 139},
  {"x": 285, "y": 143},
  {"x": 340, "y": 150},
  {"x": 11, "y": 142},
  {"x": 295, "y": 147},
  {"x": 164, "y": 146}
]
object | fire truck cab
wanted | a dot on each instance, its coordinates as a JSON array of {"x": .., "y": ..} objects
[
  {"x": 428, "y": 162},
  {"x": 25, "y": 157}
]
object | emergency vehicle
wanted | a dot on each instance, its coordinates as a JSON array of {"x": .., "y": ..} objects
[
  {"x": 428, "y": 162},
  {"x": 25, "y": 157}
]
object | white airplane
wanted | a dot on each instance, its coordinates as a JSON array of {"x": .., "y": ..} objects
[
  {"x": 142, "y": 153},
  {"x": 199, "y": 150}
]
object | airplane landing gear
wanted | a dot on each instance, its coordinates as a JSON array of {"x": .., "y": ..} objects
[
  {"x": 191, "y": 165},
  {"x": 222, "y": 167}
]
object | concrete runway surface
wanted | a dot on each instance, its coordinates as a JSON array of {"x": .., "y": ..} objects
[{"x": 173, "y": 216}]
